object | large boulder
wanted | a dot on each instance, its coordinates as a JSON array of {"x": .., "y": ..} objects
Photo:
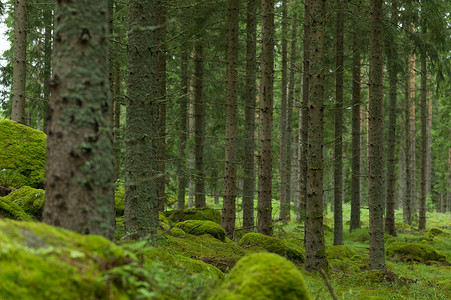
[
  {"x": 205, "y": 213},
  {"x": 414, "y": 252},
  {"x": 22, "y": 155},
  {"x": 200, "y": 227},
  {"x": 264, "y": 276}
]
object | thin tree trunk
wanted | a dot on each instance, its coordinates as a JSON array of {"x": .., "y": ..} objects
[
  {"x": 429, "y": 144},
  {"x": 422, "y": 219},
  {"x": 266, "y": 115},
  {"x": 182, "y": 178},
  {"x": 408, "y": 191},
  {"x": 141, "y": 205},
  {"x": 38, "y": 75},
  {"x": 48, "y": 21},
  {"x": 413, "y": 180},
  {"x": 249, "y": 111},
  {"x": 314, "y": 238},
  {"x": 20, "y": 58},
  {"x": 199, "y": 127},
  {"x": 338, "y": 150},
  {"x": 229, "y": 202},
  {"x": 191, "y": 137},
  {"x": 362, "y": 150}
]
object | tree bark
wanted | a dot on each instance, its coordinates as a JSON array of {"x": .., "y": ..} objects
[
  {"x": 141, "y": 203},
  {"x": 48, "y": 20},
  {"x": 79, "y": 172},
  {"x": 315, "y": 257},
  {"x": 338, "y": 158},
  {"x": 413, "y": 179},
  {"x": 20, "y": 58},
  {"x": 229, "y": 202},
  {"x": 199, "y": 127},
  {"x": 266, "y": 115},
  {"x": 407, "y": 212},
  {"x": 249, "y": 111},
  {"x": 376, "y": 137},
  {"x": 422, "y": 219}
]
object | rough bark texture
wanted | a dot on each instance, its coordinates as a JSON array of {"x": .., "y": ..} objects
[
  {"x": 266, "y": 114},
  {"x": 182, "y": 178},
  {"x": 429, "y": 144},
  {"x": 356, "y": 136},
  {"x": 249, "y": 111},
  {"x": 20, "y": 57},
  {"x": 160, "y": 12},
  {"x": 376, "y": 136},
  {"x": 422, "y": 219},
  {"x": 315, "y": 255},
  {"x": 407, "y": 211},
  {"x": 48, "y": 20},
  {"x": 229, "y": 202},
  {"x": 199, "y": 127},
  {"x": 413, "y": 173},
  {"x": 338, "y": 158},
  {"x": 284, "y": 213},
  {"x": 79, "y": 171},
  {"x": 141, "y": 215}
]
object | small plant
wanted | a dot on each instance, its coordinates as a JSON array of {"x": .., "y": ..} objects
[{"x": 7, "y": 176}]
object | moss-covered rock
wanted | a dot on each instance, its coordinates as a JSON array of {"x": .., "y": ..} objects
[
  {"x": 11, "y": 210},
  {"x": 260, "y": 242},
  {"x": 340, "y": 252},
  {"x": 22, "y": 149},
  {"x": 119, "y": 200},
  {"x": 343, "y": 258},
  {"x": 263, "y": 276},
  {"x": 205, "y": 213},
  {"x": 165, "y": 223},
  {"x": 30, "y": 199},
  {"x": 414, "y": 252},
  {"x": 205, "y": 248},
  {"x": 200, "y": 227},
  {"x": 433, "y": 232}
]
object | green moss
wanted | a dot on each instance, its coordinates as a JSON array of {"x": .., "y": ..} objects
[
  {"x": 438, "y": 232},
  {"x": 11, "y": 210},
  {"x": 205, "y": 248},
  {"x": 119, "y": 200},
  {"x": 165, "y": 223},
  {"x": 23, "y": 148},
  {"x": 414, "y": 252},
  {"x": 200, "y": 227},
  {"x": 263, "y": 276},
  {"x": 177, "y": 232},
  {"x": 259, "y": 242},
  {"x": 31, "y": 200},
  {"x": 339, "y": 252},
  {"x": 360, "y": 235},
  {"x": 205, "y": 213}
]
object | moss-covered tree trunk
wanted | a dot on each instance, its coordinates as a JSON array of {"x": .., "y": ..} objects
[
  {"x": 199, "y": 126},
  {"x": 229, "y": 203},
  {"x": 183, "y": 133},
  {"x": 249, "y": 111},
  {"x": 422, "y": 219},
  {"x": 338, "y": 149},
  {"x": 266, "y": 114},
  {"x": 284, "y": 213},
  {"x": 376, "y": 137},
  {"x": 141, "y": 203},
  {"x": 79, "y": 171},
  {"x": 160, "y": 12},
  {"x": 356, "y": 130},
  {"x": 315, "y": 251},
  {"x": 20, "y": 58}
]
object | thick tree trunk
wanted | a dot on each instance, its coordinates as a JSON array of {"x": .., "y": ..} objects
[
  {"x": 338, "y": 150},
  {"x": 376, "y": 137},
  {"x": 229, "y": 202},
  {"x": 141, "y": 203},
  {"x": 422, "y": 219},
  {"x": 160, "y": 12},
  {"x": 356, "y": 136},
  {"x": 249, "y": 111},
  {"x": 266, "y": 115},
  {"x": 182, "y": 178},
  {"x": 20, "y": 58},
  {"x": 79, "y": 171},
  {"x": 199, "y": 127},
  {"x": 315, "y": 257}
]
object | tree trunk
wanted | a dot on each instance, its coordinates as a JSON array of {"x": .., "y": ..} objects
[
  {"x": 408, "y": 191},
  {"x": 191, "y": 150},
  {"x": 141, "y": 203},
  {"x": 20, "y": 58},
  {"x": 48, "y": 21},
  {"x": 338, "y": 150},
  {"x": 413, "y": 179},
  {"x": 249, "y": 111},
  {"x": 356, "y": 136},
  {"x": 229, "y": 202},
  {"x": 182, "y": 178},
  {"x": 422, "y": 219},
  {"x": 160, "y": 12},
  {"x": 429, "y": 144},
  {"x": 284, "y": 213},
  {"x": 79, "y": 172},
  {"x": 199, "y": 127},
  {"x": 38, "y": 77},
  {"x": 376, "y": 137},
  {"x": 266, "y": 114},
  {"x": 315, "y": 257}
]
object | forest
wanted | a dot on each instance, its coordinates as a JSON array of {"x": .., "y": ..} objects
[{"x": 225, "y": 149}]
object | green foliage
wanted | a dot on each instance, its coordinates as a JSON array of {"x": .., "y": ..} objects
[
  {"x": 22, "y": 148},
  {"x": 29, "y": 199},
  {"x": 414, "y": 252},
  {"x": 200, "y": 227},
  {"x": 259, "y": 242},
  {"x": 11, "y": 210},
  {"x": 262, "y": 276},
  {"x": 205, "y": 213}
]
